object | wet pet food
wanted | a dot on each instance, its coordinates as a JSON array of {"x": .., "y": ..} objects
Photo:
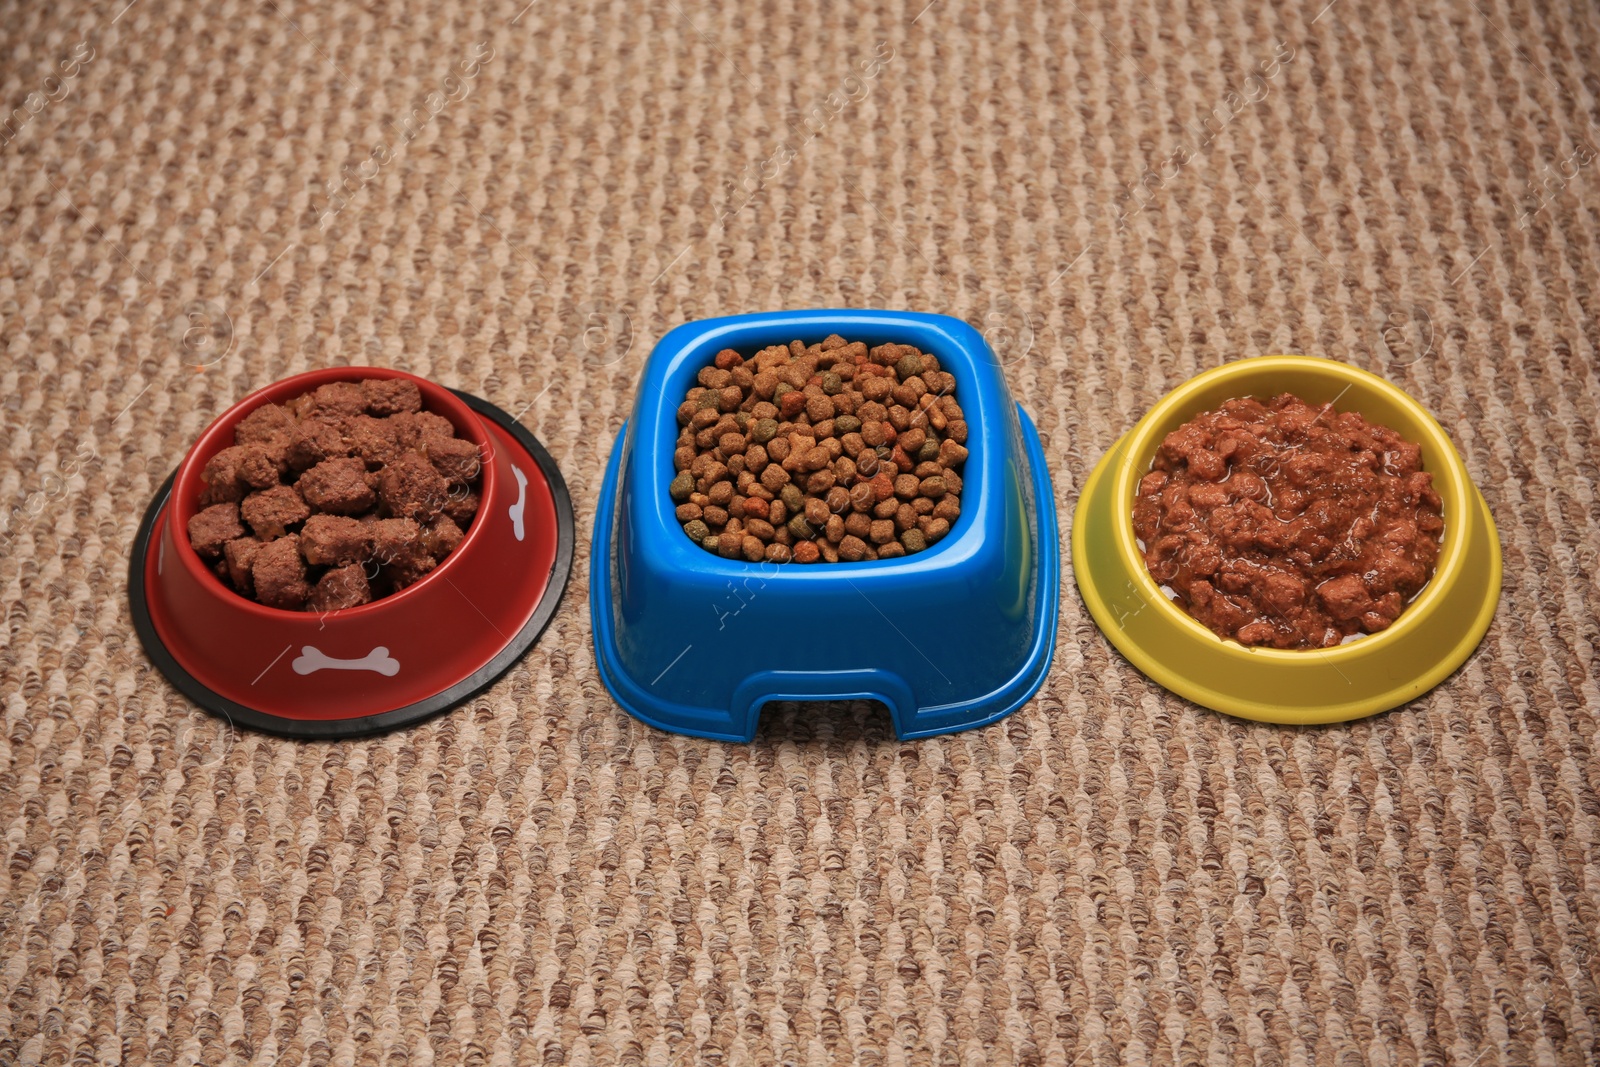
[
  {"x": 336, "y": 498},
  {"x": 830, "y": 453},
  {"x": 1288, "y": 525}
]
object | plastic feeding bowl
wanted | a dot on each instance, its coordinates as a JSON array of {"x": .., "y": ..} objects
[
  {"x": 1433, "y": 636},
  {"x": 398, "y": 659},
  {"x": 952, "y": 637}
]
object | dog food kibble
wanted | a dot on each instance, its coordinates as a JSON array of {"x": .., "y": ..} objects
[
  {"x": 337, "y": 497},
  {"x": 1282, "y": 524},
  {"x": 338, "y": 486},
  {"x": 830, "y": 453},
  {"x": 271, "y": 512},
  {"x": 341, "y": 587},
  {"x": 335, "y": 540},
  {"x": 213, "y": 528},
  {"x": 279, "y": 574}
]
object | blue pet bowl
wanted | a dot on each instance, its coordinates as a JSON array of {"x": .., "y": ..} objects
[{"x": 952, "y": 637}]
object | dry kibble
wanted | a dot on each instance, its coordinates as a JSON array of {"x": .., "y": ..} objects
[
  {"x": 774, "y": 477},
  {"x": 826, "y": 452},
  {"x": 852, "y": 549}
]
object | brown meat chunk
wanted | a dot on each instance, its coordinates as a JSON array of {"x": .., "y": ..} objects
[
  {"x": 411, "y": 489},
  {"x": 413, "y": 430},
  {"x": 224, "y": 493},
  {"x": 461, "y": 507},
  {"x": 312, "y": 441},
  {"x": 456, "y": 460},
  {"x": 261, "y": 464},
  {"x": 243, "y": 467},
  {"x": 1345, "y": 597},
  {"x": 335, "y": 540},
  {"x": 239, "y": 555},
  {"x": 280, "y": 574},
  {"x": 267, "y": 424},
  {"x": 374, "y": 440},
  {"x": 399, "y": 547},
  {"x": 397, "y": 542},
  {"x": 442, "y": 538},
  {"x": 272, "y": 511},
  {"x": 390, "y": 396},
  {"x": 221, "y": 479},
  {"x": 342, "y": 587},
  {"x": 338, "y": 486},
  {"x": 340, "y": 398},
  {"x": 401, "y": 575},
  {"x": 213, "y": 528}
]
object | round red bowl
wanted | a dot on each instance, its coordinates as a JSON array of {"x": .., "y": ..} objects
[{"x": 385, "y": 664}]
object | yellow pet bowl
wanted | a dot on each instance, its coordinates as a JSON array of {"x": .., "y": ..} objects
[{"x": 1433, "y": 636}]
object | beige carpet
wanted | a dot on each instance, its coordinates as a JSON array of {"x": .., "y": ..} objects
[{"x": 1111, "y": 875}]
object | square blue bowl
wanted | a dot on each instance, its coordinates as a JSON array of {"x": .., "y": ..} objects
[{"x": 953, "y": 637}]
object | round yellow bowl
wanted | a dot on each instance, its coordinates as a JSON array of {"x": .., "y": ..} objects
[{"x": 1433, "y": 636}]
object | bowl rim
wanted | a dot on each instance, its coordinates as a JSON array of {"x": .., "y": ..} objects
[
  {"x": 1439, "y": 458},
  {"x": 980, "y": 386},
  {"x": 186, "y": 479}
]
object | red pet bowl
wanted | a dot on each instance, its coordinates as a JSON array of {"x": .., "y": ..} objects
[{"x": 385, "y": 664}]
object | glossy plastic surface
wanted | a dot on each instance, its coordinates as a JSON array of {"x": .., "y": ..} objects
[
  {"x": 1433, "y": 636},
  {"x": 950, "y": 638}
]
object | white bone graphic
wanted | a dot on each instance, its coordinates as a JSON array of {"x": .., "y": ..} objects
[
  {"x": 312, "y": 659},
  {"x": 515, "y": 510}
]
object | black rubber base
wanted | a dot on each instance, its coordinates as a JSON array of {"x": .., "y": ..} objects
[{"x": 328, "y": 729}]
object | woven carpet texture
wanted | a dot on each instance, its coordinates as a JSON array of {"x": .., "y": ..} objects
[{"x": 517, "y": 200}]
